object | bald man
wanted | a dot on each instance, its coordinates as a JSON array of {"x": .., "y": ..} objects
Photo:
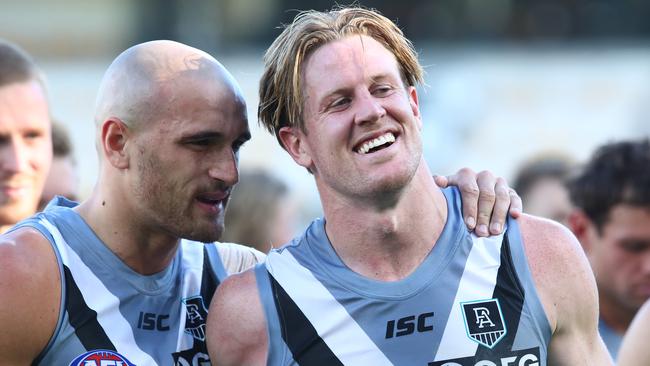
[
  {"x": 125, "y": 276},
  {"x": 112, "y": 273}
]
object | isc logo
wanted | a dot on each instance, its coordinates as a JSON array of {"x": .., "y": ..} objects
[
  {"x": 151, "y": 321},
  {"x": 408, "y": 325}
]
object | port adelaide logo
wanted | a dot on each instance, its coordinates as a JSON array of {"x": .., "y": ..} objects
[
  {"x": 101, "y": 358},
  {"x": 484, "y": 321}
]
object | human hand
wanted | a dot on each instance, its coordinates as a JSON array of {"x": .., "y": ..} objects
[{"x": 486, "y": 194}]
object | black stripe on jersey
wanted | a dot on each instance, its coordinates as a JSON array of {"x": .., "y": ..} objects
[
  {"x": 307, "y": 347},
  {"x": 84, "y": 319},
  {"x": 511, "y": 295},
  {"x": 209, "y": 280}
]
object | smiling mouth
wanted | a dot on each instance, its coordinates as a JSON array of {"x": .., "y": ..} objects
[{"x": 376, "y": 144}]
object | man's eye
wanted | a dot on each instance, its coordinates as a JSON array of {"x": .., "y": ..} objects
[
  {"x": 200, "y": 143},
  {"x": 634, "y": 246},
  {"x": 382, "y": 90},
  {"x": 340, "y": 102},
  {"x": 33, "y": 135}
]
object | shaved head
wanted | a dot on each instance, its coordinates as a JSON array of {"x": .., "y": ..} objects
[
  {"x": 143, "y": 81},
  {"x": 170, "y": 121}
]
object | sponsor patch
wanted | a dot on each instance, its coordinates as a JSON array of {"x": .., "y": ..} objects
[
  {"x": 484, "y": 321},
  {"x": 101, "y": 358},
  {"x": 526, "y": 357}
]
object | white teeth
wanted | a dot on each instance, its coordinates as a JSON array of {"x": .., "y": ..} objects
[{"x": 383, "y": 139}]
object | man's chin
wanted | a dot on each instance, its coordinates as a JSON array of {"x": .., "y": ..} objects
[
  {"x": 206, "y": 235},
  {"x": 12, "y": 213}
]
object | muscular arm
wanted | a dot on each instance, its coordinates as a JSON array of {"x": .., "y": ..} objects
[
  {"x": 634, "y": 349},
  {"x": 30, "y": 290},
  {"x": 568, "y": 291},
  {"x": 236, "y": 327}
]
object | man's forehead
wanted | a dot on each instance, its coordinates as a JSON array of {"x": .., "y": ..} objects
[{"x": 352, "y": 58}]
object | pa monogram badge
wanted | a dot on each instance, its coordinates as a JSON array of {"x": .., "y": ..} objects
[{"x": 484, "y": 321}]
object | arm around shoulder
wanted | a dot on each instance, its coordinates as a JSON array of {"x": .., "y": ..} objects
[
  {"x": 236, "y": 328},
  {"x": 568, "y": 292},
  {"x": 30, "y": 294}
]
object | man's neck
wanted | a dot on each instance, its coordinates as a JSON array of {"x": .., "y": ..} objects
[
  {"x": 389, "y": 244},
  {"x": 616, "y": 316},
  {"x": 144, "y": 249}
]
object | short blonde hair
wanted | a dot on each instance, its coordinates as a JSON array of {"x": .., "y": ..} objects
[{"x": 281, "y": 100}]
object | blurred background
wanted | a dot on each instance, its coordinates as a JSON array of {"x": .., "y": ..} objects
[{"x": 506, "y": 79}]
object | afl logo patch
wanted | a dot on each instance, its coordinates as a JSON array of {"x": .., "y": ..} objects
[{"x": 101, "y": 358}]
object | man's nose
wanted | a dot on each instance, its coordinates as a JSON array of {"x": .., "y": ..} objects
[
  {"x": 225, "y": 168},
  {"x": 14, "y": 156},
  {"x": 369, "y": 109}
]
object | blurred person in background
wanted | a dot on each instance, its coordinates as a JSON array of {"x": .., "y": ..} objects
[
  {"x": 25, "y": 143},
  {"x": 541, "y": 183},
  {"x": 611, "y": 220},
  {"x": 63, "y": 179},
  {"x": 261, "y": 212}
]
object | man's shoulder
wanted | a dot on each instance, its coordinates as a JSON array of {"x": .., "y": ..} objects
[
  {"x": 21, "y": 249},
  {"x": 30, "y": 290},
  {"x": 548, "y": 240},
  {"x": 237, "y": 258}
]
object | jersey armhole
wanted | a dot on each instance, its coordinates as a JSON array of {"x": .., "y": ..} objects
[
  {"x": 525, "y": 278},
  {"x": 273, "y": 329}
]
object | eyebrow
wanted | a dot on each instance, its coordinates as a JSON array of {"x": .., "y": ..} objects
[{"x": 201, "y": 135}]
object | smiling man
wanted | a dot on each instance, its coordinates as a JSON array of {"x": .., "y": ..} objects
[
  {"x": 390, "y": 275},
  {"x": 25, "y": 143}
]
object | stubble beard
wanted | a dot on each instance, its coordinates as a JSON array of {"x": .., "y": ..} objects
[{"x": 167, "y": 206}]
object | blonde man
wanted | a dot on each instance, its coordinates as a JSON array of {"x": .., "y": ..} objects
[{"x": 390, "y": 275}]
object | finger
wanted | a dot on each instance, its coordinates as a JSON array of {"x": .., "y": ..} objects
[
  {"x": 465, "y": 180},
  {"x": 502, "y": 193},
  {"x": 441, "y": 181},
  {"x": 516, "y": 205},
  {"x": 486, "y": 183}
]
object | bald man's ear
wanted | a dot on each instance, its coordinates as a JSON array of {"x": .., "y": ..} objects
[
  {"x": 294, "y": 142},
  {"x": 114, "y": 137}
]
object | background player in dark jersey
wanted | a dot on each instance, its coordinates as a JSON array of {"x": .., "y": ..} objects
[
  {"x": 338, "y": 91},
  {"x": 25, "y": 144}
]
